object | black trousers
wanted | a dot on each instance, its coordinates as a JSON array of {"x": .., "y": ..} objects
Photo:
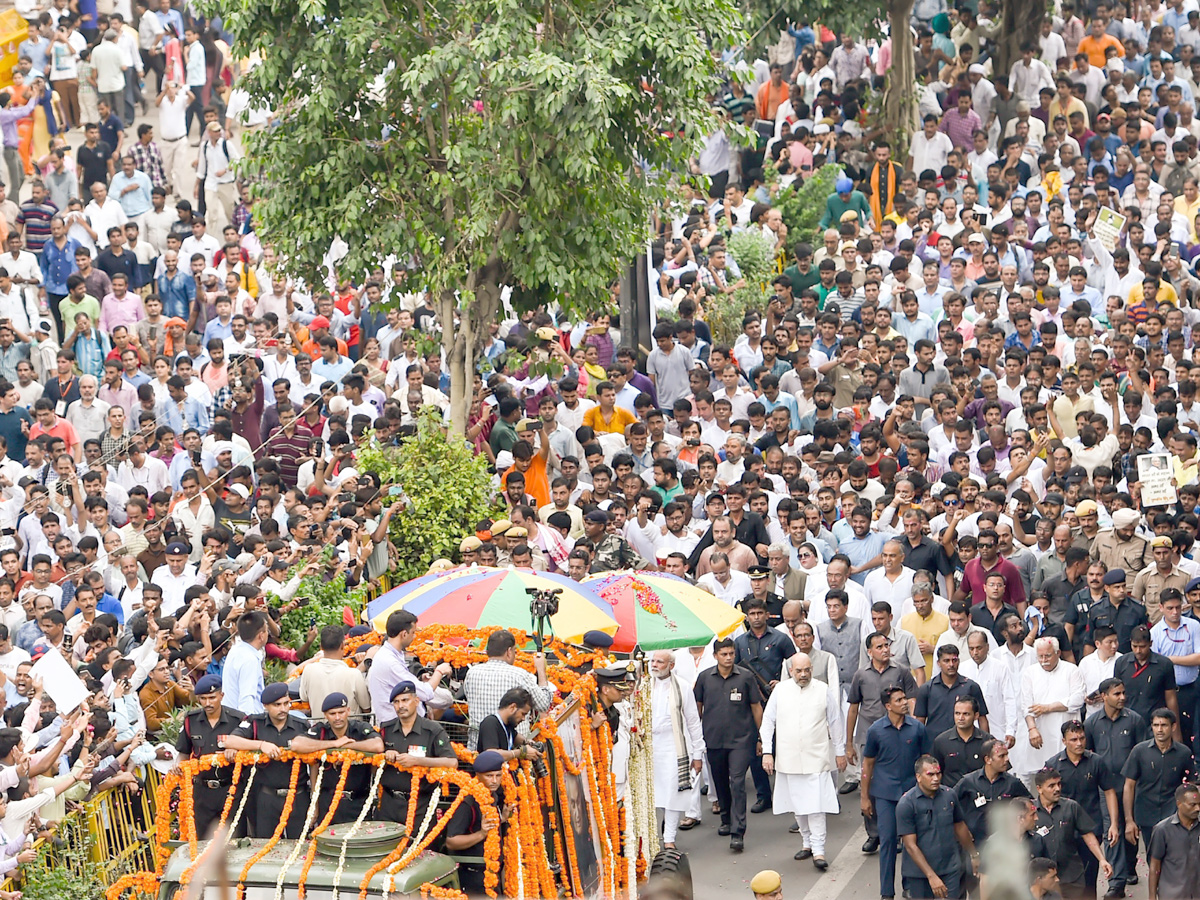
[
  {"x": 266, "y": 809},
  {"x": 208, "y": 803},
  {"x": 728, "y": 768}
]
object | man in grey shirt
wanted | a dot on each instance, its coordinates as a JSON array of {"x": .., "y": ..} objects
[
  {"x": 1175, "y": 849},
  {"x": 840, "y": 635},
  {"x": 923, "y": 376},
  {"x": 865, "y": 696},
  {"x": 668, "y": 366}
]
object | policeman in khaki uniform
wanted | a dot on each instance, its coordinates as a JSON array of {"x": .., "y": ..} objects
[
  {"x": 340, "y": 732},
  {"x": 412, "y": 741},
  {"x": 270, "y": 733},
  {"x": 203, "y": 733},
  {"x": 1162, "y": 573},
  {"x": 767, "y": 885},
  {"x": 1121, "y": 548}
]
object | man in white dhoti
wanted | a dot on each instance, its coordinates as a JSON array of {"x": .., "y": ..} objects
[
  {"x": 1051, "y": 693},
  {"x": 801, "y": 724},
  {"x": 678, "y": 744}
]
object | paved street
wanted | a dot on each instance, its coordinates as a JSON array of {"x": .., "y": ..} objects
[{"x": 718, "y": 874}]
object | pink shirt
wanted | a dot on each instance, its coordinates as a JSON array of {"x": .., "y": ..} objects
[{"x": 126, "y": 311}]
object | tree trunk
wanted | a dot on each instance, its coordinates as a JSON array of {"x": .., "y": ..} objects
[
  {"x": 900, "y": 100},
  {"x": 1021, "y": 23},
  {"x": 455, "y": 342}
]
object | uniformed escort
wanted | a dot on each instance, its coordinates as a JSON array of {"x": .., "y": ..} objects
[
  {"x": 759, "y": 585},
  {"x": 413, "y": 741},
  {"x": 339, "y": 732},
  {"x": 270, "y": 733},
  {"x": 469, "y": 826},
  {"x": 203, "y": 732},
  {"x": 767, "y": 885}
]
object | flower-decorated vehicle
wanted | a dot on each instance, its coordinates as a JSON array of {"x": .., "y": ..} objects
[{"x": 564, "y": 824}]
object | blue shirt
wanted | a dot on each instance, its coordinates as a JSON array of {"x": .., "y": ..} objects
[
  {"x": 335, "y": 371},
  {"x": 10, "y": 428},
  {"x": 110, "y": 604},
  {"x": 135, "y": 203},
  {"x": 242, "y": 680},
  {"x": 217, "y": 329},
  {"x": 194, "y": 415},
  {"x": 862, "y": 550},
  {"x": 176, "y": 293},
  {"x": 38, "y": 52},
  {"x": 58, "y": 265},
  {"x": 895, "y": 751},
  {"x": 1181, "y": 641},
  {"x": 91, "y": 351},
  {"x": 788, "y": 402}
]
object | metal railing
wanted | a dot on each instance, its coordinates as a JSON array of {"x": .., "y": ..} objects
[{"x": 115, "y": 825}]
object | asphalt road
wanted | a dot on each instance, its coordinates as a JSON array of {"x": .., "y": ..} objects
[{"x": 720, "y": 874}]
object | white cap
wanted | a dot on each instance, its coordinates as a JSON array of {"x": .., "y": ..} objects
[
  {"x": 976, "y": 69},
  {"x": 820, "y": 129},
  {"x": 241, "y": 490}
]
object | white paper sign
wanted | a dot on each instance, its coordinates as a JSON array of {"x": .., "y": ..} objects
[
  {"x": 1155, "y": 473},
  {"x": 59, "y": 681},
  {"x": 1108, "y": 227}
]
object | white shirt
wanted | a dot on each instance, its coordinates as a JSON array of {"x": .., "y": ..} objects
[
  {"x": 732, "y": 592},
  {"x": 999, "y": 692},
  {"x": 879, "y": 587},
  {"x": 930, "y": 153},
  {"x": 104, "y": 217},
  {"x": 172, "y": 118},
  {"x": 1095, "y": 670},
  {"x": 173, "y": 586}
]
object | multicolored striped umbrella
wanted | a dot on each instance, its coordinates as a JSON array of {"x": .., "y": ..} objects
[
  {"x": 482, "y": 596},
  {"x": 660, "y": 612}
]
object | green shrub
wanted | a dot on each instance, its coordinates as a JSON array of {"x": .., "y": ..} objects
[
  {"x": 802, "y": 209},
  {"x": 755, "y": 256}
]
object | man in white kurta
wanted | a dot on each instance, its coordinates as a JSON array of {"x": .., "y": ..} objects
[
  {"x": 801, "y": 725},
  {"x": 1051, "y": 693},
  {"x": 675, "y": 724},
  {"x": 999, "y": 690}
]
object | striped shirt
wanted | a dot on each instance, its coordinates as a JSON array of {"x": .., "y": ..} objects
[
  {"x": 36, "y": 219},
  {"x": 288, "y": 451}
]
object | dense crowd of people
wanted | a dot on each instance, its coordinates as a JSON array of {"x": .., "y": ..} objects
[{"x": 947, "y": 471}]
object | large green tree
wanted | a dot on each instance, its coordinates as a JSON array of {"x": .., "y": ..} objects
[{"x": 515, "y": 143}]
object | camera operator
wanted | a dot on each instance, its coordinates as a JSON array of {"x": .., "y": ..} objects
[
  {"x": 499, "y": 730},
  {"x": 488, "y": 683}
]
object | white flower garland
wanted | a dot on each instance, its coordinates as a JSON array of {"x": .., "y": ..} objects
[
  {"x": 389, "y": 880},
  {"x": 308, "y": 819},
  {"x": 231, "y": 828},
  {"x": 362, "y": 815}
]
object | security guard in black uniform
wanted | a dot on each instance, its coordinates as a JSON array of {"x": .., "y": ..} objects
[
  {"x": 338, "y": 732},
  {"x": 469, "y": 826},
  {"x": 412, "y": 741},
  {"x": 203, "y": 733},
  {"x": 759, "y": 581},
  {"x": 270, "y": 733}
]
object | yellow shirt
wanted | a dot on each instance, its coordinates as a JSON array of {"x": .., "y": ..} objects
[
  {"x": 1166, "y": 293},
  {"x": 1189, "y": 211},
  {"x": 621, "y": 418},
  {"x": 927, "y": 630}
]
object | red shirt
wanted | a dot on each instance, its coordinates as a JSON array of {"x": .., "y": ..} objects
[{"x": 974, "y": 576}]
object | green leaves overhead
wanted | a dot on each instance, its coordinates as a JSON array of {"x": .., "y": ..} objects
[{"x": 458, "y": 133}]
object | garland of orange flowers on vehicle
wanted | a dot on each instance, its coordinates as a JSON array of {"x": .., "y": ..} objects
[
  {"x": 324, "y": 823},
  {"x": 284, "y": 816},
  {"x": 141, "y": 882},
  {"x": 409, "y": 821},
  {"x": 600, "y": 810},
  {"x": 441, "y": 893},
  {"x": 372, "y": 793},
  {"x": 187, "y": 874},
  {"x": 533, "y": 833},
  {"x": 560, "y": 755}
]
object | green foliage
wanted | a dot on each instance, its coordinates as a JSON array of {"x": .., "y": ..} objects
[
  {"x": 65, "y": 871},
  {"x": 172, "y": 725},
  {"x": 766, "y": 18},
  {"x": 802, "y": 209},
  {"x": 755, "y": 257},
  {"x": 325, "y": 602},
  {"x": 490, "y": 142},
  {"x": 448, "y": 491}
]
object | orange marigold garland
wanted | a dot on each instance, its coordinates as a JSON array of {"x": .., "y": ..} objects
[
  {"x": 293, "y": 780},
  {"x": 441, "y": 893},
  {"x": 409, "y": 821},
  {"x": 333, "y": 805},
  {"x": 560, "y": 752},
  {"x": 187, "y": 808},
  {"x": 186, "y": 876}
]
